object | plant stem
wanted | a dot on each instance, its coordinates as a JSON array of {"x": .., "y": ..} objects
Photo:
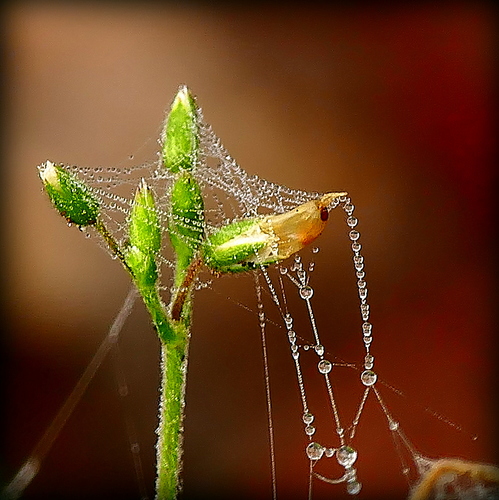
[
  {"x": 174, "y": 345},
  {"x": 171, "y": 413}
]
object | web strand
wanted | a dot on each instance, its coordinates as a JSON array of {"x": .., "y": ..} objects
[{"x": 32, "y": 465}]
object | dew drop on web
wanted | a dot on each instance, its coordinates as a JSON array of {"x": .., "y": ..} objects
[{"x": 306, "y": 292}]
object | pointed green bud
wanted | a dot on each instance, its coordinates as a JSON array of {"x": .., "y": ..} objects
[
  {"x": 71, "y": 197},
  {"x": 145, "y": 227},
  {"x": 143, "y": 267},
  {"x": 228, "y": 248},
  {"x": 180, "y": 134},
  {"x": 249, "y": 243},
  {"x": 186, "y": 223},
  {"x": 144, "y": 238}
]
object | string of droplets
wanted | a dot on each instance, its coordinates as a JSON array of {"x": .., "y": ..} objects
[{"x": 345, "y": 454}]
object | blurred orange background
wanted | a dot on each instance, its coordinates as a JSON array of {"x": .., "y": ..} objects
[{"x": 392, "y": 103}]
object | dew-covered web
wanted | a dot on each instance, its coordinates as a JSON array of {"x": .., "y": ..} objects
[{"x": 230, "y": 193}]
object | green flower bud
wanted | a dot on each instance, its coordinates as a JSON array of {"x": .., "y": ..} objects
[
  {"x": 144, "y": 238},
  {"x": 145, "y": 227},
  {"x": 228, "y": 248},
  {"x": 186, "y": 223},
  {"x": 180, "y": 134},
  {"x": 143, "y": 267},
  {"x": 246, "y": 244},
  {"x": 71, "y": 197}
]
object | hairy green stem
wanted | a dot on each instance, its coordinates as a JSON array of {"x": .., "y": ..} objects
[{"x": 171, "y": 413}]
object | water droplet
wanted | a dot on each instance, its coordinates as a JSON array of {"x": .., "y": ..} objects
[
  {"x": 349, "y": 208},
  {"x": 288, "y": 320},
  {"x": 350, "y": 474},
  {"x": 306, "y": 347},
  {"x": 314, "y": 451},
  {"x": 294, "y": 348},
  {"x": 295, "y": 355},
  {"x": 368, "y": 361},
  {"x": 315, "y": 250},
  {"x": 311, "y": 267},
  {"x": 346, "y": 456},
  {"x": 301, "y": 275},
  {"x": 356, "y": 246},
  {"x": 324, "y": 366},
  {"x": 306, "y": 292},
  {"x": 308, "y": 418},
  {"x": 358, "y": 259},
  {"x": 340, "y": 431},
  {"x": 367, "y": 328},
  {"x": 352, "y": 221},
  {"x": 354, "y": 487},
  {"x": 364, "y": 310},
  {"x": 354, "y": 235},
  {"x": 367, "y": 340},
  {"x": 393, "y": 425},
  {"x": 319, "y": 349},
  {"x": 297, "y": 258},
  {"x": 363, "y": 293},
  {"x": 361, "y": 283},
  {"x": 283, "y": 270},
  {"x": 309, "y": 430},
  {"x": 291, "y": 335},
  {"x": 330, "y": 452},
  {"x": 368, "y": 377},
  {"x": 360, "y": 274}
]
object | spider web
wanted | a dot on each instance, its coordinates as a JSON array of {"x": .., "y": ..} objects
[{"x": 230, "y": 193}]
